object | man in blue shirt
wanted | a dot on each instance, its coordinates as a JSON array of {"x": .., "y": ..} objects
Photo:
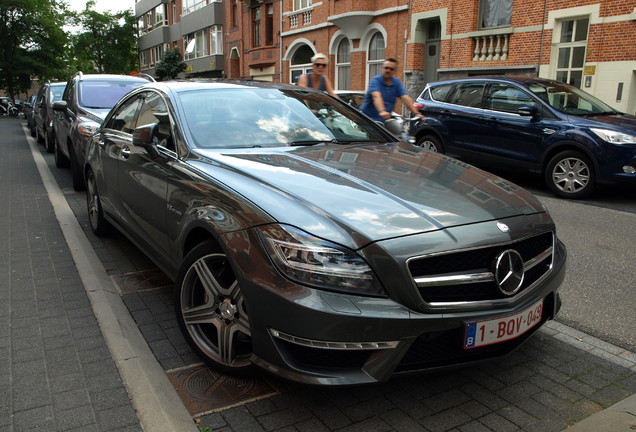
[{"x": 383, "y": 92}]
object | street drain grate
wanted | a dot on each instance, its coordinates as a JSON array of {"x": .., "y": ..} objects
[
  {"x": 141, "y": 281},
  {"x": 204, "y": 391}
]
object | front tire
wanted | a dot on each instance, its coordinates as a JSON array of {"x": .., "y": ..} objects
[
  {"x": 431, "y": 143},
  {"x": 570, "y": 174},
  {"x": 212, "y": 311}
]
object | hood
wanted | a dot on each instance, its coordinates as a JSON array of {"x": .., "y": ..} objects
[
  {"x": 624, "y": 121},
  {"x": 95, "y": 114},
  {"x": 371, "y": 192}
]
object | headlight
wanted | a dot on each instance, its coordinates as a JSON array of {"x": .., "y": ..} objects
[
  {"x": 87, "y": 128},
  {"x": 614, "y": 137},
  {"x": 321, "y": 264}
]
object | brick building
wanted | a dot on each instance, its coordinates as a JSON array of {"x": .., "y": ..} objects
[{"x": 589, "y": 43}]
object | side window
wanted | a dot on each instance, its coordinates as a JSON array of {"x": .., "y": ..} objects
[
  {"x": 124, "y": 118},
  {"x": 154, "y": 110},
  {"x": 440, "y": 92},
  {"x": 468, "y": 94},
  {"x": 507, "y": 98}
]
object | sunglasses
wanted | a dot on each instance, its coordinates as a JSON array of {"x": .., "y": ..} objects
[
  {"x": 320, "y": 64},
  {"x": 388, "y": 68}
]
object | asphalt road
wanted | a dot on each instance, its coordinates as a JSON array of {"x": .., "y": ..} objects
[{"x": 599, "y": 292}]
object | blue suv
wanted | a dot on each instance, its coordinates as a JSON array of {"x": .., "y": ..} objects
[{"x": 572, "y": 139}]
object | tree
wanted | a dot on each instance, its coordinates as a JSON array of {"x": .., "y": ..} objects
[
  {"x": 32, "y": 42},
  {"x": 170, "y": 66},
  {"x": 106, "y": 42}
]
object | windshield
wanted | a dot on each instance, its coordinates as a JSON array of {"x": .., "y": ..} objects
[
  {"x": 104, "y": 94},
  {"x": 569, "y": 99},
  {"x": 56, "y": 92},
  {"x": 264, "y": 117}
]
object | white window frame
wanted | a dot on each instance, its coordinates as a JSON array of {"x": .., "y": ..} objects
[
  {"x": 216, "y": 40},
  {"x": 201, "y": 46},
  {"x": 343, "y": 66},
  {"x": 374, "y": 66},
  {"x": 571, "y": 45},
  {"x": 301, "y": 4}
]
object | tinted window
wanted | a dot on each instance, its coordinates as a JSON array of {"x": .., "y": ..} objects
[
  {"x": 124, "y": 118},
  {"x": 154, "y": 110},
  {"x": 468, "y": 94},
  {"x": 440, "y": 92},
  {"x": 507, "y": 98}
]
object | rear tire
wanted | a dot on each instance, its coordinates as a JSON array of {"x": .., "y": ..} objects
[
  {"x": 61, "y": 161},
  {"x": 570, "y": 174},
  {"x": 431, "y": 143},
  {"x": 99, "y": 224}
]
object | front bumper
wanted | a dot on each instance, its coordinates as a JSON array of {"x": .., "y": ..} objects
[{"x": 316, "y": 337}]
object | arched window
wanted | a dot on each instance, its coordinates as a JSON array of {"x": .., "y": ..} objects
[
  {"x": 375, "y": 55},
  {"x": 343, "y": 65},
  {"x": 300, "y": 63}
]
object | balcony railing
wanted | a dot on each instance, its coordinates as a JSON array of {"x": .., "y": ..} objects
[
  {"x": 492, "y": 47},
  {"x": 300, "y": 18}
]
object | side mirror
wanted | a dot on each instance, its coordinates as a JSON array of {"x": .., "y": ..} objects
[
  {"x": 528, "y": 111},
  {"x": 59, "y": 106},
  {"x": 146, "y": 137}
]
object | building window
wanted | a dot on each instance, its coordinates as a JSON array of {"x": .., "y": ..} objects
[
  {"x": 216, "y": 40},
  {"x": 343, "y": 65},
  {"x": 495, "y": 13},
  {"x": 300, "y": 63},
  {"x": 301, "y": 4},
  {"x": 195, "y": 44},
  {"x": 269, "y": 25},
  {"x": 192, "y": 5},
  {"x": 161, "y": 18},
  {"x": 376, "y": 55},
  {"x": 174, "y": 12},
  {"x": 143, "y": 60},
  {"x": 571, "y": 51},
  {"x": 141, "y": 26},
  {"x": 234, "y": 13},
  {"x": 256, "y": 26}
]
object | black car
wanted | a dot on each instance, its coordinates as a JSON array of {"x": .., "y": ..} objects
[
  {"x": 86, "y": 100},
  {"x": 572, "y": 139},
  {"x": 29, "y": 114},
  {"x": 303, "y": 240},
  {"x": 43, "y": 112}
]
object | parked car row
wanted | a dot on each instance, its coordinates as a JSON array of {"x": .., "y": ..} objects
[
  {"x": 572, "y": 139},
  {"x": 302, "y": 238}
]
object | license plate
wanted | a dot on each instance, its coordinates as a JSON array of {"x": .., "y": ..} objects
[{"x": 488, "y": 332}]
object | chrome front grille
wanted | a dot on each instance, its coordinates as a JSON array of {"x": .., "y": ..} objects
[{"x": 467, "y": 277}]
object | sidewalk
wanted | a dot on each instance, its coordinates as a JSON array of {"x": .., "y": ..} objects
[{"x": 74, "y": 359}]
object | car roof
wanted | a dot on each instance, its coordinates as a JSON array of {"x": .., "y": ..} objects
[
  {"x": 221, "y": 83},
  {"x": 521, "y": 80}
]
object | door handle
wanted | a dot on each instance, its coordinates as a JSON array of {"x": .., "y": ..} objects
[{"x": 125, "y": 152}]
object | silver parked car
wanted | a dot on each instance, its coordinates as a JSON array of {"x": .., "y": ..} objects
[{"x": 306, "y": 242}]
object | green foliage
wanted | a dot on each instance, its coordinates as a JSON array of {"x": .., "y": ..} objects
[
  {"x": 31, "y": 43},
  {"x": 170, "y": 66},
  {"x": 106, "y": 42}
]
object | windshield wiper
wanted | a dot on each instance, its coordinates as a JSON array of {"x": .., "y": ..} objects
[{"x": 313, "y": 142}]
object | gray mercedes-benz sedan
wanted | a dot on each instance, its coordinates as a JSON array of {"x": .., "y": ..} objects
[{"x": 304, "y": 241}]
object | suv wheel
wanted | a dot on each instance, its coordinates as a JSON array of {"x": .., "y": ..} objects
[
  {"x": 212, "y": 311},
  {"x": 431, "y": 143},
  {"x": 61, "y": 161},
  {"x": 570, "y": 174}
]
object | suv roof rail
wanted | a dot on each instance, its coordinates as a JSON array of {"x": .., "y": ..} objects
[{"x": 146, "y": 76}]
